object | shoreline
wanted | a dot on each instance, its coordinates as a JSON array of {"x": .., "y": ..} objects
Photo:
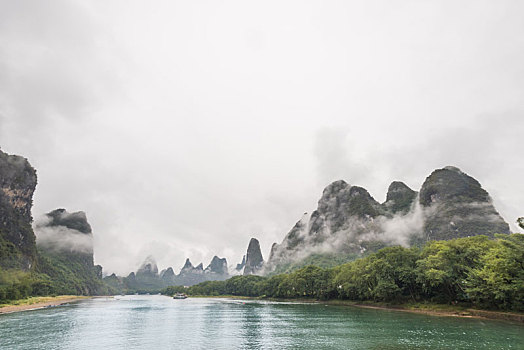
[
  {"x": 36, "y": 303},
  {"x": 41, "y": 303},
  {"x": 427, "y": 309},
  {"x": 462, "y": 313}
]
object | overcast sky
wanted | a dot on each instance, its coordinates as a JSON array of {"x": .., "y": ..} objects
[{"x": 183, "y": 128}]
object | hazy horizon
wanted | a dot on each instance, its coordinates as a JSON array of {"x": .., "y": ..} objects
[{"x": 184, "y": 129}]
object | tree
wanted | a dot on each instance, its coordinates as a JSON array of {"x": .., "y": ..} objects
[
  {"x": 499, "y": 281},
  {"x": 445, "y": 265}
]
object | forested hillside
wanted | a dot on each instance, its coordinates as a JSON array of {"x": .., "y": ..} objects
[
  {"x": 63, "y": 261},
  {"x": 475, "y": 271}
]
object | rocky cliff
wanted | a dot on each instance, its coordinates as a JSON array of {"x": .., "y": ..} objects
[
  {"x": 254, "y": 259},
  {"x": 400, "y": 198},
  {"x": 460, "y": 207},
  {"x": 60, "y": 231},
  {"x": 17, "y": 185},
  {"x": 65, "y": 245},
  {"x": 349, "y": 222},
  {"x": 346, "y": 221}
]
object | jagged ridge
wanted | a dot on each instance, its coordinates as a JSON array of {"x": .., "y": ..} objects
[{"x": 348, "y": 221}]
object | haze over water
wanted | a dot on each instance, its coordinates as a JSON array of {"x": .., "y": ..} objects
[{"x": 158, "y": 322}]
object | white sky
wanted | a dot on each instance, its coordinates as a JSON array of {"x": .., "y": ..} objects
[{"x": 183, "y": 128}]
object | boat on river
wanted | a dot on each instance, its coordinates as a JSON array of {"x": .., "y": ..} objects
[{"x": 180, "y": 296}]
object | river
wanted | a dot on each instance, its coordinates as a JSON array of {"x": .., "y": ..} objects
[{"x": 158, "y": 322}]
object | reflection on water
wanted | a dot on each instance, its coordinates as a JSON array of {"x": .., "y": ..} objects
[{"x": 156, "y": 322}]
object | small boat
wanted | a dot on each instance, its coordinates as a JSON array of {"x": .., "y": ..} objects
[{"x": 179, "y": 296}]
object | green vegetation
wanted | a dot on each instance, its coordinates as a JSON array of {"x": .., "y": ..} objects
[
  {"x": 328, "y": 260},
  {"x": 37, "y": 300},
  {"x": 69, "y": 273},
  {"x": 17, "y": 284},
  {"x": 473, "y": 271},
  {"x": 55, "y": 274},
  {"x": 10, "y": 255},
  {"x": 17, "y": 240}
]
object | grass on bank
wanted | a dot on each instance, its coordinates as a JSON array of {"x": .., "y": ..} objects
[{"x": 36, "y": 300}]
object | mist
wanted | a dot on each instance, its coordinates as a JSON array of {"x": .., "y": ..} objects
[
  {"x": 61, "y": 238},
  {"x": 400, "y": 229},
  {"x": 183, "y": 129}
]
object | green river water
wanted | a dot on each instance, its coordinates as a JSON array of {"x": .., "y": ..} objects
[{"x": 158, "y": 322}]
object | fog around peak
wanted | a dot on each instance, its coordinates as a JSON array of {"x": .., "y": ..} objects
[{"x": 183, "y": 129}]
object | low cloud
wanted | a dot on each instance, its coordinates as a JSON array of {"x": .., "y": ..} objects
[
  {"x": 485, "y": 148},
  {"x": 61, "y": 238},
  {"x": 399, "y": 229},
  {"x": 167, "y": 124}
]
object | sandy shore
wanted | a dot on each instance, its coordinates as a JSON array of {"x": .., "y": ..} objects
[{"x": 40, "y": 304}]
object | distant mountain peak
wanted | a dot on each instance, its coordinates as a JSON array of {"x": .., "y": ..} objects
[
  {"x": 451, "y": 183},
  {"x": 461, "y": 207},
  {"x": 400, "y": 198},
  {"x": 452, "y": 168},
  {"x": 73, "y": 221},
  {"x": 217, "y": 265},
  {"x": 254, "y": 259},
  {"x": 188, "y": 265},
  {"x": 240, "y": 266},
  {"x": 148, "y": 267}
]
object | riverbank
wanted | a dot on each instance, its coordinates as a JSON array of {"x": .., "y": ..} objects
[
  {"x": 441, "y": 310},
  {"x": 417, "y": 308},
  {"x": 38, "y": 303}
]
